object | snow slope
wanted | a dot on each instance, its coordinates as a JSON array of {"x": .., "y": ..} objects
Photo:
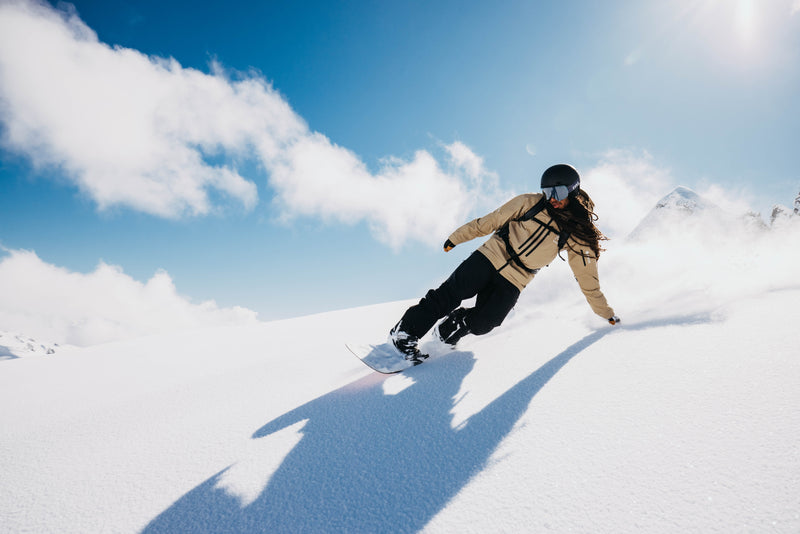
[
  {"x": 682, "y": 419},
  {"x": 675, "y": 424}
]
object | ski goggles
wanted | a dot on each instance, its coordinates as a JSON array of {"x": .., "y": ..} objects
[{"x": 559, "y": 192}]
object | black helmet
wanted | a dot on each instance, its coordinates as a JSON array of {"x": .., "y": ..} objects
[{"x": 559, "y": 181}]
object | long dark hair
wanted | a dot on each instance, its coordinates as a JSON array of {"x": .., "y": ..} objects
[{"x": 578, "y": 219}]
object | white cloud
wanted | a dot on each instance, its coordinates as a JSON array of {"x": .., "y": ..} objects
[
  {"x": 416, "y": 199},
  {"x": 126, "y": 128},
  {"x": 625, "y": 186},
  {"x": 42, "y": 300},
  {"x": 140, "y": 131},
  {"x": 795, "y": 7},
  {"x": 729, "y": 198}
]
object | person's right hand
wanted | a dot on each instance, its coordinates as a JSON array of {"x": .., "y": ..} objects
[{"x": 448, "y": 246}]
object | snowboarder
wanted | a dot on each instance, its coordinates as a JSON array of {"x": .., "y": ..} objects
[{"x": 529, "y": 231}]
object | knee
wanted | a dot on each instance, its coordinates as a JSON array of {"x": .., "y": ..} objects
[
  {"x": 438, "y": 301},
  {"x": 479, "y": 325}
]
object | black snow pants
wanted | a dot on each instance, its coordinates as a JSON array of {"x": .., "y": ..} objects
[{"x": 475, "y": 276}]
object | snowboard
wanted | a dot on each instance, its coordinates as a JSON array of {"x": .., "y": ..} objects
[{"x": 383, "y": 358}]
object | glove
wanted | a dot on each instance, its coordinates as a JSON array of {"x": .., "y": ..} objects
[
  {"x": 448, "y": 246},
  {"x": 614, "y": 320}
]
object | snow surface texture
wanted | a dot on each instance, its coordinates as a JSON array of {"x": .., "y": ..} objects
[{"x": 682, "y": 419}]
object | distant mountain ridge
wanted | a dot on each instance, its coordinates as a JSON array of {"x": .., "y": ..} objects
[
  {"x": 683, "y": 206},
  {"x": 14, "y": 345}
]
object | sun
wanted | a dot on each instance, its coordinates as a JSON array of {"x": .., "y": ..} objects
[
  {"x": 735, "y": 32},
  {"x": 732, "y": 32},
  {"x": 745, "y": 22}
]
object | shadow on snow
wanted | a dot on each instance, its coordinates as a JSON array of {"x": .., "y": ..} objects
[
  {"x": 6, "y": 354},
  {"x": 372, "y": 462}
]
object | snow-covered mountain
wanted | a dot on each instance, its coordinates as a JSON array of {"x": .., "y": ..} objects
[
  {"x": 683, "y": 198},
  {"x": 782, "y": 216},
  {"x": 14, "y": 345},
  {"x": 683, "y": 209}
]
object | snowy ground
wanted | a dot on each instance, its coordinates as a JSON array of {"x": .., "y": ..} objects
[
  {"x": 672, "y": 424},
  {"x": 682, "y": 419}
]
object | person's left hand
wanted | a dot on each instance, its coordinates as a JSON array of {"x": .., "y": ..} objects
[{"x": 614, "y": 320}]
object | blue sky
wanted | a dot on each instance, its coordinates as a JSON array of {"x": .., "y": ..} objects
[{"x": 308, "y": 156}]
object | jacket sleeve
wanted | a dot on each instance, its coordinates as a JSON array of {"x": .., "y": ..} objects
[
  {"x": 583, "y": 263},
  {"x": 493, "y": 221}
]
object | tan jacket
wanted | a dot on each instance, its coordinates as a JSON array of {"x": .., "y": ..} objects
[{"x": 537, "y": 247}]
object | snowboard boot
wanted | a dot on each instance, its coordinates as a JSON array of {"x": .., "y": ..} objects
[
  {"x": 406, "y": 344},
  {"x": 453, "y": 328}
]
